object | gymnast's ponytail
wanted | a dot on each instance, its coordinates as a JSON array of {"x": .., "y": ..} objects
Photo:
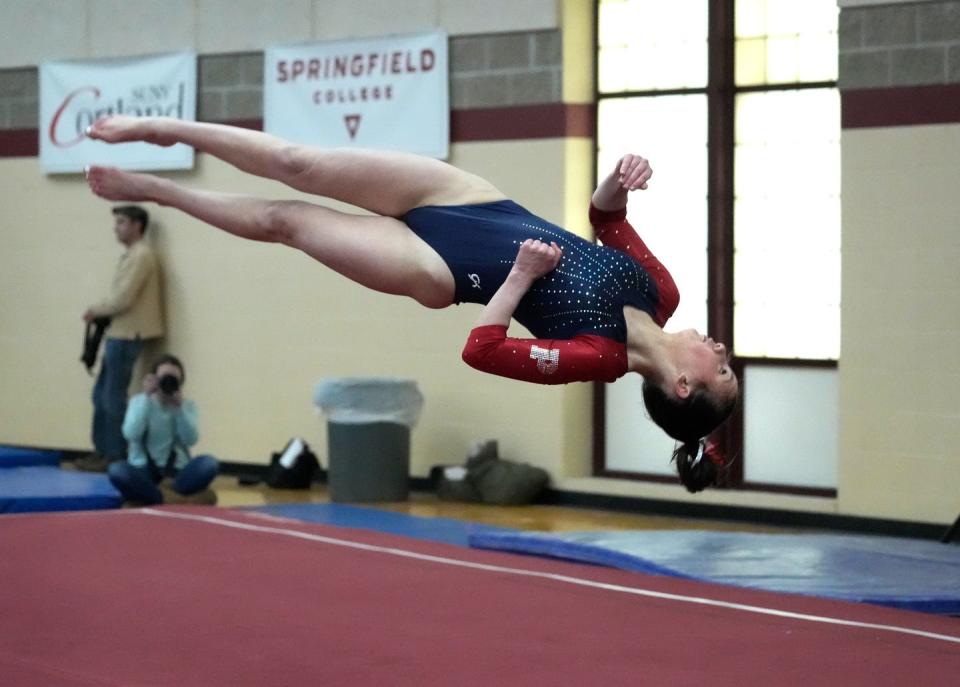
[
  {"x": 699, "y": 465},
  {"x": 688, "y": 420}
]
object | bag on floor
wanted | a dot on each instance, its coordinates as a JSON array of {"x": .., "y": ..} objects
[
  {"x": 293, "y": 468},
  {"x": 487, "y": 478},
  {"x": 508, "y": 483}
]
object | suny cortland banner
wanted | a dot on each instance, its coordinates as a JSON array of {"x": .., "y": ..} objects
[
  {"x": 389, "y": 93},
  {"x": 73, "y": 95}
]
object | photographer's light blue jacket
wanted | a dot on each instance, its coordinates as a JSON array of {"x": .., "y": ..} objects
[{"x": 165, "y": 427}]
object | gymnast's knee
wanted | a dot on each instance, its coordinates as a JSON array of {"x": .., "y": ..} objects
[
  {"x": 278, "y": 222},
  {"x": 292, "y": 160}
]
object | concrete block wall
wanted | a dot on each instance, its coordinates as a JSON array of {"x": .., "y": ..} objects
[
  {"x": 19, "y": 98},
  {"x": 916, "y": 44},
  {"x": 494, "y": 70}
]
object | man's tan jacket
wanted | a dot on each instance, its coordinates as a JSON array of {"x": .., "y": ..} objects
[{"x": 134, "y": 302}]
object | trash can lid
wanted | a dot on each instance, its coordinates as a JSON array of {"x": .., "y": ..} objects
[{"x": 355, "y": 400}]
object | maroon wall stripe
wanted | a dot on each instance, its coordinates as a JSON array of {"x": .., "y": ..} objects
[
  {"x": 906, "y": 106},
  {"x": 553, "y": 120},
  {"x": 861, "y": 108},
  {"x": 19, "y": 143}
]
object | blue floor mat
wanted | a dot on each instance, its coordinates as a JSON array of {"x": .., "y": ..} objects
[
  {"x": 39, "y": 489},
  {"x": 902, "y": 573},
  {"x": 15, "y": 457},
  {"x": 444, "y": 530}
]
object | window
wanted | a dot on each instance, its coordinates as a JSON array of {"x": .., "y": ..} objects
[{"x": 736, "y": 105}]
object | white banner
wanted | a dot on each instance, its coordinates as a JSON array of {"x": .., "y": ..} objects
[
  {"x": 389, "y": 93},
  {"x": 73, "y": 95}
]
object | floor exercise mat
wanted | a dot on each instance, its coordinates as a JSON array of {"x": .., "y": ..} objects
[
  {"x": 210, "y": 596},
  {"x": 15, "y": 457},
  {"x": 446, "y": 530},
  {"x": 902, "y": 573},
  {"x": 35, "y": 489}
]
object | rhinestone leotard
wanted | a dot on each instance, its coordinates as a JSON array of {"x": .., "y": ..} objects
[{"x": 580, "y": 302}]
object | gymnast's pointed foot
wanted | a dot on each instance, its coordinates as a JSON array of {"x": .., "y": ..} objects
[
  {"x": 111, "y": 183},
  {"x": 120, "y": 129}
]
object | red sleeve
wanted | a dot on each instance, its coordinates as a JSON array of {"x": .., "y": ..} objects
[
  {"x": 613, "y": 229},
  {"x": 584, "y": 358}
]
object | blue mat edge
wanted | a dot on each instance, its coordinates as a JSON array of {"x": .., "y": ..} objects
[
  {"x": 394, "y": 519},
  {"x": 38, "y": 505},
  {"x": 531, "y": 543},
  {"x": 62, "y": 501},
  {"x": 15, "y": 456},
  {"x": 542, "y": 546}
]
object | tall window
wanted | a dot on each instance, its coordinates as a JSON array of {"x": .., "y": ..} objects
[
  {"x": 735, "y": 103},
  {"x": 787, "y": 180}
]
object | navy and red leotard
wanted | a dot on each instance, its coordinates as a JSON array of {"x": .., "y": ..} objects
[{"x": 575, "y": 311}]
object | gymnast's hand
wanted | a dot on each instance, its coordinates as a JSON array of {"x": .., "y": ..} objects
[
  {"x": 537, "y": 258},
  {"x": 633, "y": 172}
]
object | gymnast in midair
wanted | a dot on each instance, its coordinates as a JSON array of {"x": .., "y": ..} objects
[{"x": 442, "y": 236}]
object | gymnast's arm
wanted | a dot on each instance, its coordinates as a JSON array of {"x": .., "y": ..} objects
[
  {"x": 608, "y": 216},
  {"x": 534, "y": 260},
  {"x": 584, "y": 358},
  {"x": 631, "y": 173},
  {"x": 488, "y": 349},
  {"x": 608, "y": 209}
]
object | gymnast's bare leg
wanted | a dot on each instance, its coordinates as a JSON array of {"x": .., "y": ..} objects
[
  {"x": 378, "y": 252},
  {"x": 384, "y": 182}
]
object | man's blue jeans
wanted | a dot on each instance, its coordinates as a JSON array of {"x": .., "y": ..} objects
[
  {"x": 110, "y": 396},
  {"x": 135, "y": 483}
]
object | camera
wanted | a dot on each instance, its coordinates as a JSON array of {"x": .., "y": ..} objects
[{"x": 169, "y": 384}]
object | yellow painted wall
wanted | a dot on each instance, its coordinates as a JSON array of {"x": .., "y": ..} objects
[{"x": 900, "y": 327}]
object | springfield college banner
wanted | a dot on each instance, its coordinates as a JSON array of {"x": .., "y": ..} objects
[
  {"x": 389, "y": 93},
  {"x": 73, "y": 95}
]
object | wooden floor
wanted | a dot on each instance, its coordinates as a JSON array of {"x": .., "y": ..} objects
[{"x": 536, "y": 517}]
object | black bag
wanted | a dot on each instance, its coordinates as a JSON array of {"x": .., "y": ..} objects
[
  {"x": 92, "y": 337},
  {"x": 299, "y": 475}
]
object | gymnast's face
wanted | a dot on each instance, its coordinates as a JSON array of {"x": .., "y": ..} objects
[{"x": 706, "y": 363}]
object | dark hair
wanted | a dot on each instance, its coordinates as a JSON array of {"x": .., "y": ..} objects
[
  {"x": 688, "y": 421},
  {"x": 134, "y": 213},
  {"x": 697, "y": 471},
  {"x": 167, "y": 359}
]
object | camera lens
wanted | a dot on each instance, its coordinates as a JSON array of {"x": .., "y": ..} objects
[{"x": 169, "y": 384}]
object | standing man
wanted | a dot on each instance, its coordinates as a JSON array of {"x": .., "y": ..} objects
[{"x": 135, "y": 309}]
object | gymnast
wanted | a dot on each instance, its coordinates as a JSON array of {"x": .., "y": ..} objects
[{"x": 441, "y": 236}]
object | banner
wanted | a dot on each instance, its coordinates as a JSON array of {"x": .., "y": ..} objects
[
  {"x": 73, "y": 95},
  {"x": 389, "y": 93}
]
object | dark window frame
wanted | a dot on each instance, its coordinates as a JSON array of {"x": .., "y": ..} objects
[{"x": 721, "y": 91}]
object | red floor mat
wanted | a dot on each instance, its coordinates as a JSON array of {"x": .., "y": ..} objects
[{"x": 213, "y": 597}]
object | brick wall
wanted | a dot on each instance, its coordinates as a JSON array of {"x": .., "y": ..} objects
[
  {"x": 884, "y": 46},
  {"x": 493, "y": 70}
]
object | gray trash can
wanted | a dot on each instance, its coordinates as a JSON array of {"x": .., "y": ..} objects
[{"x": 368, "y": 436}]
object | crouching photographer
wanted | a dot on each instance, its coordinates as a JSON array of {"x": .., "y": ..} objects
[{"x": 160, "y": 426}]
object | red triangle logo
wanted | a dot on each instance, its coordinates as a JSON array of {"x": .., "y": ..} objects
[{"x": 353, "y": 123}]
